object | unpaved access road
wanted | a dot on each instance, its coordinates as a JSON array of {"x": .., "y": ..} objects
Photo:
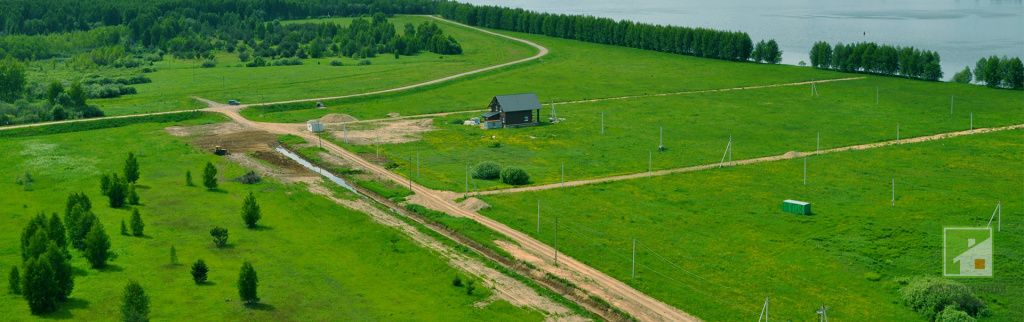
[
  {"x": 611, "y": 290},
  {"x": 541, "y": 52},
  {"x": 786, "y": 156}
]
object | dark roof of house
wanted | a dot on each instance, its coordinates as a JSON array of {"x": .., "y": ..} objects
[
  {"x": 490, "y": 114},
  {"x": 518, "y": 102}
]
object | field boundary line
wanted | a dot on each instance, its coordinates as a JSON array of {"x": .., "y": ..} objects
[
  {"x": 701, "y": 91},
  {"x": 778, "y": 157},
  {"x": 92, "y": 119},
  {"x": 602, "y": 99}
]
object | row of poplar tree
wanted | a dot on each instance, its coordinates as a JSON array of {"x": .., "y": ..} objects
[{"x": 882, "y": 59}]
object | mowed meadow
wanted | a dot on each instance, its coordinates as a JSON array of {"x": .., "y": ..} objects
[
  {"x": 695, "y": 129},
  {"x": 716, "y": 243},
  {"x": 315, "y": 260},
  {"x": 175, "y": 81},
  {"x": 572, "y": 70}
]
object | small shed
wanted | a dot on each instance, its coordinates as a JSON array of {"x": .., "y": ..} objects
[
  {"x": 314, "y": 126},
  {"x": 513, "y": 110},
  {"x": 796, "y": 207}
]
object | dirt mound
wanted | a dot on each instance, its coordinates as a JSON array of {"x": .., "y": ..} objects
[
  {"x": 208, "y": 129},
  {"x": 474, "y": 204},
  {"x": 337, "y": 118}
]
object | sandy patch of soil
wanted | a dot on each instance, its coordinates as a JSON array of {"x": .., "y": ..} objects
[
  {"x": 207, "y": 129},
  {"x": 337, "y": 118},
  {"x": 398, "y": 131},
  {"x": 474, "y": 204}
]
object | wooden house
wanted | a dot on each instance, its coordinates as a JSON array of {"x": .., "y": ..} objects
[{"x": 512, "y": 111}]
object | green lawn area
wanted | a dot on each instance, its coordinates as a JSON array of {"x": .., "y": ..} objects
[
  {"x": 176, "y": 80},
  {"x": 316, "y": 260},
  {"x": 697, "y": 127},
  {"x": 715, "y": 243},
  {"x": 572, "y": 70}
]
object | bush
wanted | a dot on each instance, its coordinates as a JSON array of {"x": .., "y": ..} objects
[
  {"x": 487, "y": 170},
  {"x": 209, "y": 63},
  {"x": 364, "y": 62},
  {"x": 951, "y": 314},
  {"x": 287, "y": 62},
  {"x": 930, "y": 295},
  {"x": 134, "y": 303},
  {"x": 220, "y": 236},
  {"x": 514, "y": 176},
  {"x": 337, "y": 63},
  {"x": 200, "y": 271}
]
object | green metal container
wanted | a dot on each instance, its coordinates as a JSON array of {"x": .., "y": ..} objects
[{"x": 796, "y": 207}]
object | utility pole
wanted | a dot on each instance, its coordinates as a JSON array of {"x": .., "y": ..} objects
[
  {"x": 894, "y": 192},
  {"x": 563, "y": 174},
  {"x": 417, "y": 165},
  {"x": 650, "y": 162},
  {"x": 972, "y": 120},
  {"x": 951, "y": 105},
  {"x": 805, "y": 171},
  {"x": 602, "y": 122},
  {"x": 556, "y": 241},
  {"x": 410, "y": 175},
  {"x": 897, "y": 131},
  {"x": 467, "y": 181},
  {"x": 661, "y": 139},
  {"x": 764, "y": 312},
  {"x": 817, "y": 147}
]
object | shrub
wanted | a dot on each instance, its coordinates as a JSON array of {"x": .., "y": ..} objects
[
  {"x": 14, "y": 281},
  {"x": 220, "y": 236},
  {"x": 952, "y": 314},
  {"x": 930, "y": 295},
  {"x": 287, "y": 62},
  {"x": 136, "y": 222},
  {"x": 457, "y": 281},
  {"x": 247, "y": 282},
  {"x": 134, "y": 303},
  {"x": 250, "y": 211},
  {"x": 97, "y": 246},
  {"x": 210, "y": 176},
  {"x": 209, "y": 63},
  {"x": 364, "y": 62},
  {"x": 487, "y": 170},
  {"x": 200, "y": 272},
  {"x": 514, "y": 176},
  {"x": 337, "y": 63}
]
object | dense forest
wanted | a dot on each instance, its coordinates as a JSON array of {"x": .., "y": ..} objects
[{"x": 133, "y": 35}]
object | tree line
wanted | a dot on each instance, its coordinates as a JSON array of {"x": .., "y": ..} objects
[
  {"x": 701, "y": 42},
  {"x": 994, "y": 72},
  {"x": 33, "y": 17},
  {"x": 869, "y": 57}
]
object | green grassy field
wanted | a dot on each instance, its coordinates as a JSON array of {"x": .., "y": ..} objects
[
  {"x": 715, "y": 243},
  {"x": 572, "y": 70},
  {"x": 697, "y": 128},
  {"x": 176, "y": 80},
  {"x": 315, "y": 260}
]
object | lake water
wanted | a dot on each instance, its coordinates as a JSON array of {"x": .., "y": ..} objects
[{"x": 960, "y": 31}]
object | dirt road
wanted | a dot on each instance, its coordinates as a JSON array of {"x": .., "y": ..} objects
[
  {"x": 541, "y": 52},
  {"x": 786, "y": 156},
  {"x": 11, "y": 127},
  {"x": 620, "y": 295}
]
